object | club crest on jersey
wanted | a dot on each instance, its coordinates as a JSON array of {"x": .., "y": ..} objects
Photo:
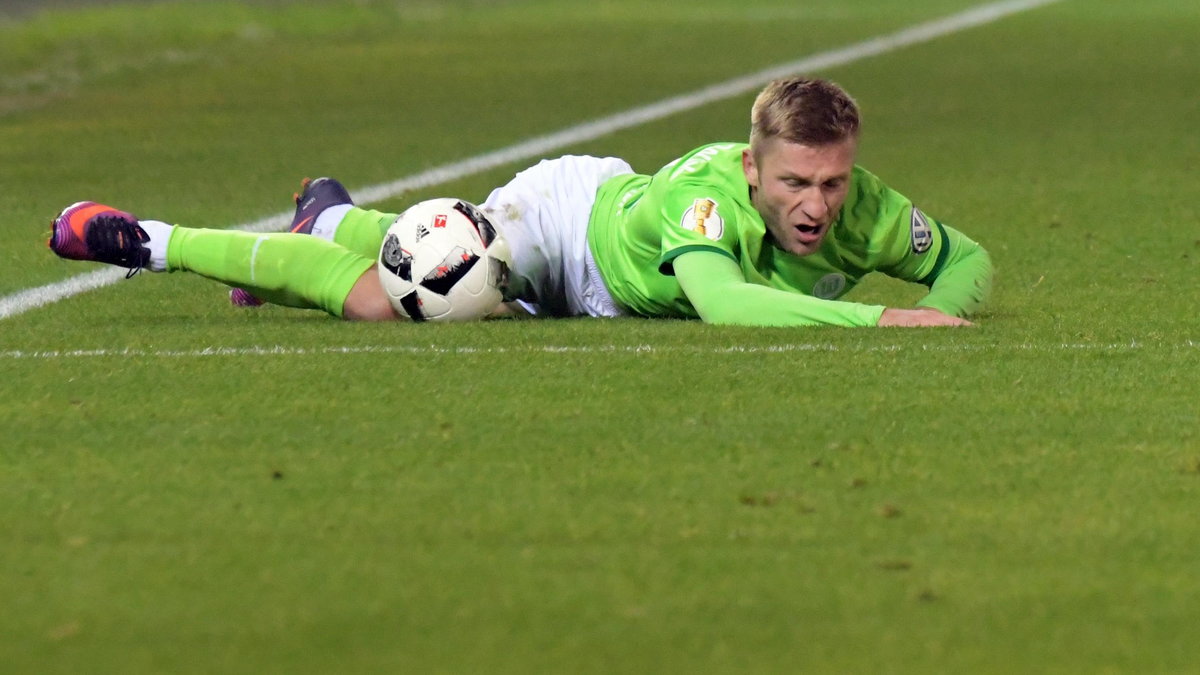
[
  {"x": 702, "y": 217},
  {"x": 829, "y": 286},
  {"x": 922, "y": 236}
]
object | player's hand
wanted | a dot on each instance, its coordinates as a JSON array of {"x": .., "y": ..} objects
[{"x": 910, "y": 318}]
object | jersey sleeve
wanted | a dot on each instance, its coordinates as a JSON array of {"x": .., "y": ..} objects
[
  {"x": 720, "y": 293},
  {"x": 908, "y": 243},
  {"x": 962, "y": 281},
  {"x": 697, "y": 218},
  {"x": 915, "y": 247}
]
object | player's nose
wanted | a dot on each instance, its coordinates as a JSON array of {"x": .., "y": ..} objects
[{"x": 814, "y": 206}]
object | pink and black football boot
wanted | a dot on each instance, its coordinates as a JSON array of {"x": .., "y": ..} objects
[{"x": 91, "y": 231}]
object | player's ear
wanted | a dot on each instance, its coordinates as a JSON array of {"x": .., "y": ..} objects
[{"x": 750, "y": 168}]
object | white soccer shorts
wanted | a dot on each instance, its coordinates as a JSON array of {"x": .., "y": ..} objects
[{"x": 543, "y": 212}]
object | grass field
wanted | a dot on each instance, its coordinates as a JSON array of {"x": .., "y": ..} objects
[{"x": 186, "y": 487}]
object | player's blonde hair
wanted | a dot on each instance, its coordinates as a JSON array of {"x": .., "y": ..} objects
[{"x": 808, "y": 111}]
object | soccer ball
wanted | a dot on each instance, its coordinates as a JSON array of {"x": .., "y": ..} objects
[{"x": 442, "y": 260}]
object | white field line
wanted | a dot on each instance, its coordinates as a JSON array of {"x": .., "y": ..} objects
[
  {"x": 432, "y": 350},
  {"x": 23, "y": 301}
]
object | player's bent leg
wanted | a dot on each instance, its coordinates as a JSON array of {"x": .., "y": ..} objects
[
  {"x": 287, "y": 269},
  {"x": 359, "y": 230},
  {"x": 363, "y": 230},
  {"x": 324, "y": 209},
  {"x": 323, "y": 200},
  {"x": 367, "y": 301}
]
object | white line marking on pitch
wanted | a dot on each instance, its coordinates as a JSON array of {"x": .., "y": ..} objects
[
  {"x": 23, "y": 301},
  {"x": 427, "y": 350}
]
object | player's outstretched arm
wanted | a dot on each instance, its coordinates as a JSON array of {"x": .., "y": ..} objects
[{"x": 716, "y": 288}]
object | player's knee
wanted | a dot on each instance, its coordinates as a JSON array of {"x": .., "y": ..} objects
[{"x": 367, "y": 301}]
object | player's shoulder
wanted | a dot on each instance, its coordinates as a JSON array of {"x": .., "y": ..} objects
[
  {"x": 710, "y": 172},
  {"x": 869, "y": 197},
  {"x": 716, "y": 162},
  {"x": 866, "y": 183}
]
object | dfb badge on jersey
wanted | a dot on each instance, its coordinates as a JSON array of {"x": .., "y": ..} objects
[
  {"x": 922, "y": 235},
  {"x": 702, "y": 217}
]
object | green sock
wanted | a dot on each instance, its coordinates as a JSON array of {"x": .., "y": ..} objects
[
  {"x": 362, "y": 231},
  {"x": 295, "y": 270}
]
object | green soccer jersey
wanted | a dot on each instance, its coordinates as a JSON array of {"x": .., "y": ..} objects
[{"x": 641, "y": 224}]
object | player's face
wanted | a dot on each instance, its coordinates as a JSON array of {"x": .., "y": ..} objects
[{"x": 799, "y": 189}]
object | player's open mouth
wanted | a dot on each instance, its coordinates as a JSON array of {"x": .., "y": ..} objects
[{"x": 809, "y": 233}]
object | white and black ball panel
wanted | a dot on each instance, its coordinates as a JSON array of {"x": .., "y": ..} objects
[
  {"x": 395, "y": 259},
  {"x": 487, "y": 232}
]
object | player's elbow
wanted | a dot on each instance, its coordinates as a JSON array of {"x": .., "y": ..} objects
[{"x": 725, "y": 315}]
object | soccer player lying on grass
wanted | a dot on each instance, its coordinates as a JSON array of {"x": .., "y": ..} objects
[{"x": 765, "y": 234}]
